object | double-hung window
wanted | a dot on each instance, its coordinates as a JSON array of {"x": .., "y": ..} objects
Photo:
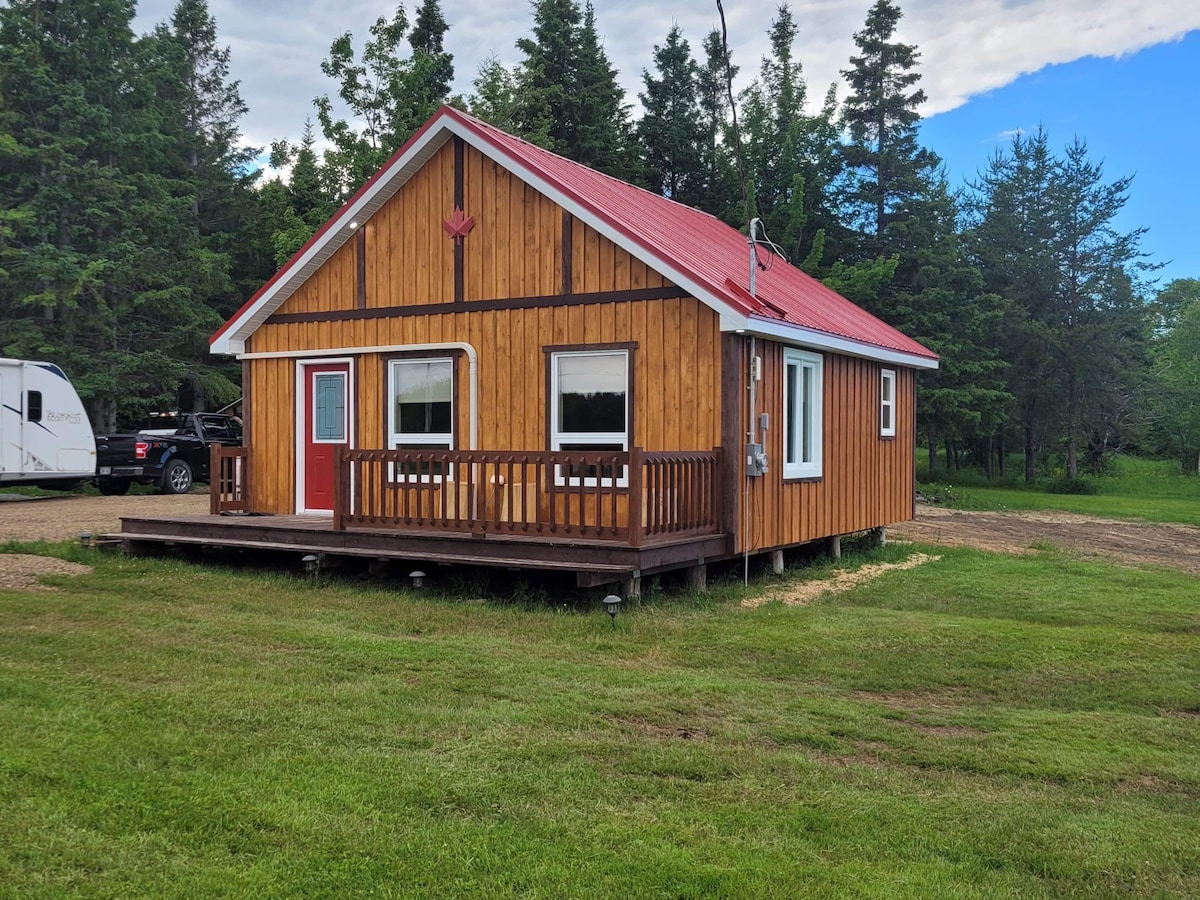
[
  {"x": 589, "y": 410},
  {"x": 803, "y": 436},
  {"x": 887, "y": 403},
  {"x": 421, "y": 410}
]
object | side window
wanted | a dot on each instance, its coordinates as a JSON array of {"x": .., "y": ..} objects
[
  {"x": 33, "y": 406},
  {"x": 887, "y": 403},
  {"x": 589, "y": 409},
  {"x": 804, "y": 433}
]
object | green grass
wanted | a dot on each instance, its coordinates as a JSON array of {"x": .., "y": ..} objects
[
  {"x": 1154, "y": 490},
  {"x": 981, "y": 726}
]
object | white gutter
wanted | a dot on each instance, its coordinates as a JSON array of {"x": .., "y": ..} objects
[{"x": 472, "y": 365}]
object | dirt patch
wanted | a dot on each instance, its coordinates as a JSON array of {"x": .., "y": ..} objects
[
  {"x": 65, "y": 518},
  {"x": 662, "y": 732},
  {"x": 19, "y": 572},
  {"x": 804, "y": 592},
  {"x": 948, "y": 700},
  {"x": 1124, "y": 541}
]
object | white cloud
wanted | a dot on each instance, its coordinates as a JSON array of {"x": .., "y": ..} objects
[{"x": 968, "y": 47}]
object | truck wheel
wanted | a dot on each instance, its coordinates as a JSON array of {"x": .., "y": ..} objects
[
  {"x": 177, "y": 479},
  {"x": 113, "y": 488}
]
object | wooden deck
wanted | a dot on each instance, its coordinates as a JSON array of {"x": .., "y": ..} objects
[{"x": 595, "y": 561}]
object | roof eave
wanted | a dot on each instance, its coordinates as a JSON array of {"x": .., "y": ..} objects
[{"x": 823, "y": 340}]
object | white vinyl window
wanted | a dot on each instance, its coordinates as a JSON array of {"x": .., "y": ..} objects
[
  {"x": 589, "y": 409},
  {"x": 421, "y": 409},
  {"x": 887, "y": 403},
  {"x": 803, "y": 435}
]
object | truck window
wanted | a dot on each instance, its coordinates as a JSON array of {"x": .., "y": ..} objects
[{"x": 33, "y": 406}]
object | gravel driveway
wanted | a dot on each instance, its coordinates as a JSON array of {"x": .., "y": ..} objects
[{"x": 67, "y": 517}]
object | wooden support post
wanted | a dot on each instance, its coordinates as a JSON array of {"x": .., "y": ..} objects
[
  {"x": 879, "y": 536},
  {"x": 697, "y": 577},
  {"x": 633, "y": 587},
  {"x": 833, "y": 547},
  {"x": 777, "y": 562},
  {"x": 214, "y": 479},
  {"x": 340, "y": 487},
  {"x": 636, "y": 527}
]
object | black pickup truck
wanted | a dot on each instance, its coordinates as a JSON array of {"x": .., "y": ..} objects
[{"x": 170, "y": 450}]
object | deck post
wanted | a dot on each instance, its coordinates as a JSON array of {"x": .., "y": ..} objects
[
  {"x": 214, "y": 480},
  {"x": 340, "y": 488},
  {"x": 633, "y": 587},
  {"x": 777, "y": 562},
  {"x": 697, "y": 577},
  {"x": 635, "y": 499},
  {"x": 879, "y": 536},
  {"x": 833, "y": 547}
]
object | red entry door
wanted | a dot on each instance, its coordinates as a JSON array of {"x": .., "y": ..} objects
[{"x": 326, "y": 427}]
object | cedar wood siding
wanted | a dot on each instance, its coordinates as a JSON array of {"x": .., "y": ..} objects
[
  {"x": 867, "y": 480},
  {"x": 514, "y": 251}
]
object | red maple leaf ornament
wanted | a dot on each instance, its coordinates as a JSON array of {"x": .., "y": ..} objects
[{"x": 458, "y": 224}]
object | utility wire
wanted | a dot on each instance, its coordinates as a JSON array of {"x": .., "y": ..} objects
[{"x": 737, "y": 137}]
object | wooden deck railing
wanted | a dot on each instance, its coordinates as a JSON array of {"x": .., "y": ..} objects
[
  {"x": 586, "y": 494},
  {"x": 228, "y": 479}
]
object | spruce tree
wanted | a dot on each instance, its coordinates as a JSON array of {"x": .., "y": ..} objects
[
  {"x": 880, "y": 114},
  {"x": 671, "y": 132}
]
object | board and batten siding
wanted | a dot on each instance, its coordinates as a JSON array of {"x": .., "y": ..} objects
[
  {"x": 676, "y": 377},
  {"x": 867, "y": 480}
]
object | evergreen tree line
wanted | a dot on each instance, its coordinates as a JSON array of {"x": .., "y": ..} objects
[{"x": 133, "y": 220}]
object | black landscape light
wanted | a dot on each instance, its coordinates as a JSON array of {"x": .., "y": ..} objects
[
  {"x": 418, "y": 578},
  {"x": 312, "y": 563},
  {"x": 612, "y": 603}
]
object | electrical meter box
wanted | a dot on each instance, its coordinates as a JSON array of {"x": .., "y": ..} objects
[{"x": 756, "y": 460}]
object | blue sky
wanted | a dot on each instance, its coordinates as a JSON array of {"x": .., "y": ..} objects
[{"x": 1140, "y": 114}]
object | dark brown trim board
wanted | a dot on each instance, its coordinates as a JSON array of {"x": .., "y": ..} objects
[
  {"x": 360, "y": 268},
  {"x": 459, "y": 243},
  {"x": 568, "y": 243},
  {"x": 433, "y": 309}
]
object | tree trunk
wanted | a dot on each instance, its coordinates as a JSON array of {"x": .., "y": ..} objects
[
  {"x": 1002, "y": 454},
  {"x": 933, "y": 460},
  {"x": 1072, "y": 458},
  {"x": 1030, "y": 459},
  {"x": 989, "y": 465}
]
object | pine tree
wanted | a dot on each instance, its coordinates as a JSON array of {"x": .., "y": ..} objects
[
  {"x": 549, "y": 75},
  {"x": 671, "y": 132},
  {"x": 568, "y": 95},
  {"x": 720, "y": 193},
  {"x": 602, "y": 116},
  {"x": 883, "y": 155},
  {"x": 104, "y": 274}
]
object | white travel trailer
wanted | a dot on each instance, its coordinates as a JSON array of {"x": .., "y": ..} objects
[{"x": 45, "y": 436}]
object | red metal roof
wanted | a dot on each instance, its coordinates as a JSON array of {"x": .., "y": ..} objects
[
  {"x": 709, "y": 252},
  {"x": 717, "y": 254}
]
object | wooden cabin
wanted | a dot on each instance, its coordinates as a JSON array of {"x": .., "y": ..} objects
[{"x": 494, "y": 355}]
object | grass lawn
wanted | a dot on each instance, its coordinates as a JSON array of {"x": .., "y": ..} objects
[
  {"x": 980, "y": 726},
  {"x": 1153, "y": 490}
]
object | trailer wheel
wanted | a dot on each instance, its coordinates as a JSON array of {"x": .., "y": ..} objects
[
  {"x": 177, "y": 479},
  {"x": 113, "y": 487}
]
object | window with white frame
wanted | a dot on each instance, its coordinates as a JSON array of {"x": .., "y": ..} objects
[
  {"x": 803, "y": 435},
  {"x": 589, "y": 409},
  {"x": 887, "y": 403},
  {"x": 421, "y": 409}
]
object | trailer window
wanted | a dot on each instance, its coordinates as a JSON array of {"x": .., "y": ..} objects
[{"x": 33, "y": 406}]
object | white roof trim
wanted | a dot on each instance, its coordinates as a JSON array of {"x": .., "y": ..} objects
[{"x": 822, "y": 340}]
